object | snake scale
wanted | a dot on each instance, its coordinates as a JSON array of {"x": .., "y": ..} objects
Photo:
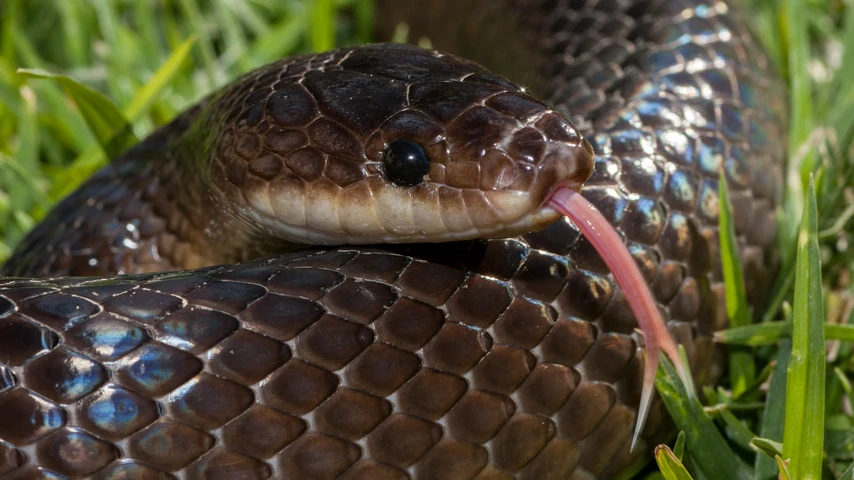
[{"x": 501, "y": 357}]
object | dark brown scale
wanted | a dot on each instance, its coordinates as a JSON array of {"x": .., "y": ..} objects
[{"x": 487, "y": 359}]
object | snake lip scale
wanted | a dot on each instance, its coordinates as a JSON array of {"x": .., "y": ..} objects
[{"x": 354, "y": 264}]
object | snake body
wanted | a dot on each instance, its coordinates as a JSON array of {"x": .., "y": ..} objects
[{"x": 488, "y": 358}]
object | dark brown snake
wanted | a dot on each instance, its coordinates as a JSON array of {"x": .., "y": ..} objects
[{"x": 473, "y": 359}]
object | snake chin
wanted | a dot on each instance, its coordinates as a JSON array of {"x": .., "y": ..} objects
[{"x": 530, "y": 221}]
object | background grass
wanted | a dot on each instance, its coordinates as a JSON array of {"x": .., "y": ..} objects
[
  {"x": 153, "y": 59},
  {"x": 118, "y": 47}
]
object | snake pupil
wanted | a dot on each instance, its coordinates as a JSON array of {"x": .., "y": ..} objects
[{"x": 405, "y": 163}]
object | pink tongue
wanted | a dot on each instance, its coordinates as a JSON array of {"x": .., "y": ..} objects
[{"x": 611, "y": 248}]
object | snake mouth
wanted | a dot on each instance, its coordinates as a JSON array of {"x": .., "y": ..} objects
[
  {"x": 563, "y": 164},
  {"x": 376, "y": 211}
]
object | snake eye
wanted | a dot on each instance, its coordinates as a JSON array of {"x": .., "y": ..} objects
[{"x": 405, "y": 163}]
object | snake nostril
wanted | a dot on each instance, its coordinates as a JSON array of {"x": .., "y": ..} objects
[{"x": 405, "y": 163}]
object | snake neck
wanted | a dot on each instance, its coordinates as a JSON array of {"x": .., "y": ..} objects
[
  {"x": 148, "y": 211},
  {"x": 200, "y": 225}
]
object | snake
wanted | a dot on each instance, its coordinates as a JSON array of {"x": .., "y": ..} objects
[{"x": 347, "y": 264}]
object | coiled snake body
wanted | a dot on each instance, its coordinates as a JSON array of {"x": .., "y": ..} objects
[{"x": 488, "y": 358}]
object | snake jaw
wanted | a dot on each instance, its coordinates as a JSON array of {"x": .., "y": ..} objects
[{"x": 613, "y": 251}]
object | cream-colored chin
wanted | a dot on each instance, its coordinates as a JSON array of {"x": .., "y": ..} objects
[{"x": 511, "y": 214}]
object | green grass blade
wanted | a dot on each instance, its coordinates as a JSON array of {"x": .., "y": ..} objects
[
  {"x": 736, "y": 298},
  {"x": 256, "y": 20},
  {"x": 65, "y": 122},
  {"x": 765, "y": 468},
  {"x": 232, "y": 34},
  {"x": 768, "y": 447},
  {"x": 194, "y": 18},
  {"x": 695, "y": 470},
  {"x": 782, "y": 288},
  {"x": 839, "y": 332},
  {"x": 162, "y": 77},
  {"x": 109, "y": 125},
  {"x": 29, "y": 136},
  {"x": 793, "y": 27},
  {"x": 25, "y": 178},
  {"x": 839, "y": 96},
  {"x": 803, "y": 438},
  {"x": 23, "y": 165},
  {"x": 736, "y": 431},
  {"x": 8, "y": 29},
  {"x": 756, "y": 385},
  {"x": 844, "y": 383},
  {"x": 146, "y": 26},
  {"x": 679, "y": 446},
  {"x": 72, "y": 35},
  {"x": 754, "y": 335},
  {"x": 801, "y": 116},
  {"x": 742, "y": 368},
  {"x": 322, "y": 33},
  {"x": 117, "y": 59},
  {"x": 705, "y": 444},
  {"x": 772, "y": 332},
  {"x": 838, "y": 435},
  {"x": 282, "y": 37},
  {"x": 669, "y": 464},
  {"x": 365, "y": 20},
  {"x": 80, "y": 169}
]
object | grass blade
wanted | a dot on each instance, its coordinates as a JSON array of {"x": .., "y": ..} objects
[
  {"x": 282, "y": 37},
  {"x": 365, "y": 20},
  {"x": 71, "y": 32},
  {"x": 8, "y": 29},
  {"x": 194, "y": 18},
  {"x": 844, "y": 383},
  {"x": 772, "y": 332},
  {"x": 146, "y": 25},
  {"x": 109, "y": 125},
  {"x": 706, "y": 447},
  {"x": 839, "y": 96},
  {"x": 679, "y": 446},
  {"x": 736, "y": 431},
  {"x": 844, "y": 333},
  {"x": 322, "y": 25},
  {"x": 669, "y": 464},
  {"x": 801, "y": 116},
  {"x": 742, "y": 368},
  {"x": 803, "y": 438},
  {"x": 29, "y": 137},
  {"x": 754, "y": 335},
  {"x": 148, "y": 93},
  {"x": 768, "y": 447},
  {"x": 782, "y": 288},
  {"x": 765, "y": 468}
]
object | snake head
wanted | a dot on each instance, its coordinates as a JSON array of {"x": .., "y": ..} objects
[{"x": 391, "y": 143}]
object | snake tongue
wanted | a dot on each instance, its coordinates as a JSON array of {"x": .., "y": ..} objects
[{"x": 613, "y": 251}]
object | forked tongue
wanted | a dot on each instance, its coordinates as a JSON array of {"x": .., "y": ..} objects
[{"x": 613, "y": 251}]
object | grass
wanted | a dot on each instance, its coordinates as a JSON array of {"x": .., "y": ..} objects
[
  {"x": 150, "y": 70},
  {"x": 785, "y": 408}
]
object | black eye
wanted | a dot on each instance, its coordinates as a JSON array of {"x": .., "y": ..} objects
[{"x": 405, "y": 163}]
